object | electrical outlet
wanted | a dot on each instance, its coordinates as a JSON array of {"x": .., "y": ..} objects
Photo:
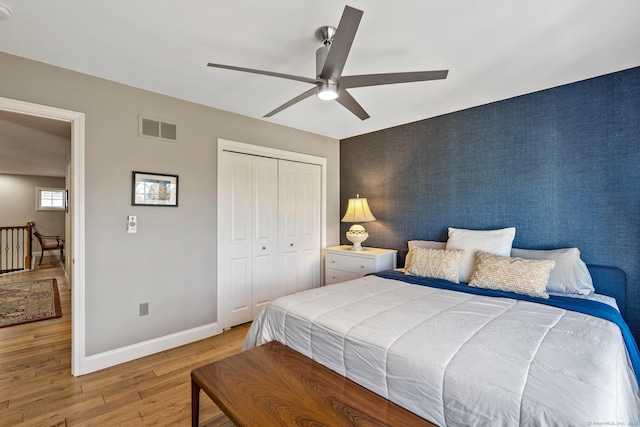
[{"x": 144, "y": 309}]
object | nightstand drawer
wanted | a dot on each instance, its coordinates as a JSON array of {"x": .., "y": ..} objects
[
  {"x": 337, "y": 276},
  {"x": 342, "y": 263},
  {"x": 353, "y": 264}
]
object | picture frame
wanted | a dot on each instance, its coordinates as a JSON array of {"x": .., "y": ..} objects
[{"x": 154, "y": 189}]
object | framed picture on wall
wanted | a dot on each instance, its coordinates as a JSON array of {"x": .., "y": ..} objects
[{"x": 154, "y": 189}]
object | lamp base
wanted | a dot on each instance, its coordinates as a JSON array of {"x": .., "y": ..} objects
[{"x": 356, "y": 235}]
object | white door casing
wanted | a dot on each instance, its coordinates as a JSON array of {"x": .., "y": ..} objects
[{"x": 76, "y": 256}]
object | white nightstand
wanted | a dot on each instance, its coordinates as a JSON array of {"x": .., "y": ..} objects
[{"x": 342, "y": 263}]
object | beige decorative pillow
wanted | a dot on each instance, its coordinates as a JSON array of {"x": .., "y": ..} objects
[
  {"x": 436, "y": 263},
  {"x": 428, "y": 244},
  {"x": 522, "y": 276}
]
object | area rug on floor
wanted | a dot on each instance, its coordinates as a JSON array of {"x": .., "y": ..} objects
[{"x": 27, "y": 302}]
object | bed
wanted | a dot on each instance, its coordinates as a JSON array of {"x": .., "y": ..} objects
[{"x": 459, "y": 355}]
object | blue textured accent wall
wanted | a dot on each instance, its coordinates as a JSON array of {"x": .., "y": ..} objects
[{"x": 561, "y": 165}]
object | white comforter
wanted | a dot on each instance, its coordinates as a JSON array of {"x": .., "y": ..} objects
[{"x": 458, "y": 359}]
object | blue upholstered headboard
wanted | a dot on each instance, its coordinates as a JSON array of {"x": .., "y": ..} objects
[{"x": 611, "y": 281}]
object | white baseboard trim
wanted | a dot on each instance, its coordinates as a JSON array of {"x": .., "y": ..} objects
[{"x": 146, "y": 348}]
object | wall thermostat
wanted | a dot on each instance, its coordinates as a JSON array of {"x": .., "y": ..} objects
[{"x": 132, "y": 224}]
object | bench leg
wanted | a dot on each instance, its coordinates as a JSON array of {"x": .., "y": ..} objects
[{"x": 195, "y": 404}]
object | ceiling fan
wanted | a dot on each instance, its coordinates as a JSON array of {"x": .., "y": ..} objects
[{"x": 330, "y": 60}]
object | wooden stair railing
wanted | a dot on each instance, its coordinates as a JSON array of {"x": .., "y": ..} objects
[{"x": 15, "y": 248}]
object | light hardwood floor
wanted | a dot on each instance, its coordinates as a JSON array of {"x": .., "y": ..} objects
[{"x": 37, "y": 388}]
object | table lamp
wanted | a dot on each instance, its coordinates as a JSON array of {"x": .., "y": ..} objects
[{"x": 357, "y": 211}]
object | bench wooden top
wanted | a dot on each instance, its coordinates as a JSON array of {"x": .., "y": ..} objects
[{"x": 273, "y": 385}]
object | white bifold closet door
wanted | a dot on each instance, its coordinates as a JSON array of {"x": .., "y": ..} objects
[
  {"x": 270, "y": 211},
  {"x": 298, "y": 226}
]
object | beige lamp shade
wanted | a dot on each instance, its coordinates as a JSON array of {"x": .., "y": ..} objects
[{"x": 357, "y": 211}]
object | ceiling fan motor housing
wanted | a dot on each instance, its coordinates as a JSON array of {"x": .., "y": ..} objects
[
  {"x": 327, "y": 89},
  {"x": 321, "y": 56}
]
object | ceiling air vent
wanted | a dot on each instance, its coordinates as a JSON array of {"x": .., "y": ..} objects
[{"x": 158, "y": 129}]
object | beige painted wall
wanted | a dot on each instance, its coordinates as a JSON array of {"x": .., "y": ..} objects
[
  {"x": 18, "y": 204},
  {"x": 171, "y": 261}
]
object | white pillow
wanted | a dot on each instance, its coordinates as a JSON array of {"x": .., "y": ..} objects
[
  {"x": 569, "y": 276},
  {"x": 496, "y": 242}
]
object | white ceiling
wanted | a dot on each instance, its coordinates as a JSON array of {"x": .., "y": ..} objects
[{"x": 494, "y": 49}]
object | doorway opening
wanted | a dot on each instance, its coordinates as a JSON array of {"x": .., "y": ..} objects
[{"x": 75, "y": 231}]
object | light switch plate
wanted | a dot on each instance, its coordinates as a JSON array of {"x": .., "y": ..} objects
[{"x": 132, "y": 224}]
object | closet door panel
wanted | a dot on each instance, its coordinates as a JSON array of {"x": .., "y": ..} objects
[
  {"x": 239, "y": 199},
  {"x": 299, "y": 215},
  {"x": 288, "y": 177},
  {"x": 288, "y": 194},
  {"x": 310, "y": 209},
  {"x": 262, "y": 281},
  {"x": 240, "y": 303},
  {"x": 290, "y": 262},
  {"x": 309, "y": 242},
  {"x": 236, "y": 267},
  {"x": 265, "y": 208},
  {"x": 265, "y": 230},
  {"x": 309, "y": 276}
]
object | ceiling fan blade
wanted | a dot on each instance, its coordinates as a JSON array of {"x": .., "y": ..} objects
[
  {"x": 341, "y": 44},
  {"x": 265, "y": 73},
  {"x": 391, "y": 78},
  {"x": 295, "y": 100},
  {"x": 351, "y": 104}
]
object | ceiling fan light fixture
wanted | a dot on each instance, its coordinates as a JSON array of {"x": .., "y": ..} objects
[{"x": 327, "y": 91}]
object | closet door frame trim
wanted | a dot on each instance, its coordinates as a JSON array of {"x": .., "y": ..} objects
[{"x": 257, "y": 150}]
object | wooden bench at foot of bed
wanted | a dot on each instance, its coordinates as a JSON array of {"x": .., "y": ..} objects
[{"x": 273, "y": 385}]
